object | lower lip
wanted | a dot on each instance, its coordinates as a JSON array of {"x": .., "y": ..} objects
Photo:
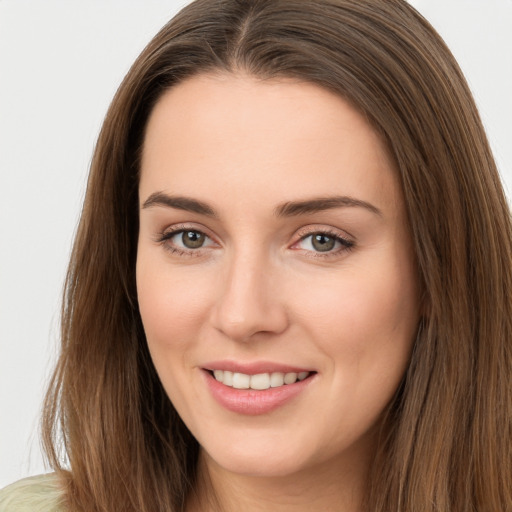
[{"x": 253, "y": 402}]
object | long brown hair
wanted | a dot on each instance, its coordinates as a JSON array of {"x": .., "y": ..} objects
[{"x": 448, "y": 443}]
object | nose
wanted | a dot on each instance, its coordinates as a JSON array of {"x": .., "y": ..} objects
[{"x": 249, "y": 302}]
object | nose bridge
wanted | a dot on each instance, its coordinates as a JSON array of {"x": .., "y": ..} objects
[{"x": 248, "y": 303}]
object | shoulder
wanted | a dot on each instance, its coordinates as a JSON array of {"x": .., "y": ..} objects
[{"x": 42, "y": 493}]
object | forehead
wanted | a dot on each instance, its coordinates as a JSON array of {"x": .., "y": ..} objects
[{"x": 268, "y": 138}]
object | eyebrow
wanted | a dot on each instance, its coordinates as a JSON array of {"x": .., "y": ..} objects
[
  {"x": 294, "y": 208},
  {"x": 288, "y": 209},
  {"x": 179, "y": 203}
]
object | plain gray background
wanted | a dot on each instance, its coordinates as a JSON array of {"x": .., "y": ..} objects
[{"x": 60, "y": 64}]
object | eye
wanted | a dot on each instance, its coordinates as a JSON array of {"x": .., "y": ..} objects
[
  {"x": 190, "y": 239},
  {"x": 185, "y": 240},
  {"x": 324, "y": 242}
]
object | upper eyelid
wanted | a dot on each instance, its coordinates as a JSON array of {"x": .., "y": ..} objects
[
  {"x": 178, "y": 228},
  {"x": 344, "y": 241},
  {"x": 309, "y": 230}
]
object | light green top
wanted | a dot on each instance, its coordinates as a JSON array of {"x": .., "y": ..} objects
[{"x": 40, "y": 493}]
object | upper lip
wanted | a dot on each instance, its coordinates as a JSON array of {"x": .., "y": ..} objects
[{"x": 254, "y": 367}]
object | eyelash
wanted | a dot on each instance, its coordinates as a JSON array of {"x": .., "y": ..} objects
[
  {"x": 345, "y": 244},
  {"x": 166, "y": 236}
]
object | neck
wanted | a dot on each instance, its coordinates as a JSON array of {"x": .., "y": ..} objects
[{"x": 330, "y": 486}]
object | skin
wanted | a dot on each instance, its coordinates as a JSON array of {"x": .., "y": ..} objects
[{"x": 258, "y": 289}]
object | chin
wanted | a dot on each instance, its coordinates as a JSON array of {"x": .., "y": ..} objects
[{"x": 258, "y": 462}]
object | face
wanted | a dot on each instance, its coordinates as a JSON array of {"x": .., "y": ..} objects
[{"x": 275, "y": 275}]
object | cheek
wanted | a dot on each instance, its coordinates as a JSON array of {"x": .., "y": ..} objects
[
  {"x": 366, "y": 333},
  {"x": 365, "y": 318},
  {"x": 172, "y": 306}
]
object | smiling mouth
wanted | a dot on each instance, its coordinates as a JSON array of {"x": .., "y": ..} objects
[{"x": 260, "y": 381}]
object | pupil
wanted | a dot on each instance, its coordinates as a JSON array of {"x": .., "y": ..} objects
[
  {"x": 323, "y": 243},
  {"x": 192, "y": 239}
]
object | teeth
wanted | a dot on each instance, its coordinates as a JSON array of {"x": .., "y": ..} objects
[
  {"x": 260, "y": 381},
  {"x": 228, "y": 378},
  {"x": 290, "y": 378},
  {"x": 276, "y": 379},
  {"x": 241, "y": 381}
]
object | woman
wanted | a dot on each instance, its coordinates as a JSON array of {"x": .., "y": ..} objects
[{"x": 290, "y": 286}]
